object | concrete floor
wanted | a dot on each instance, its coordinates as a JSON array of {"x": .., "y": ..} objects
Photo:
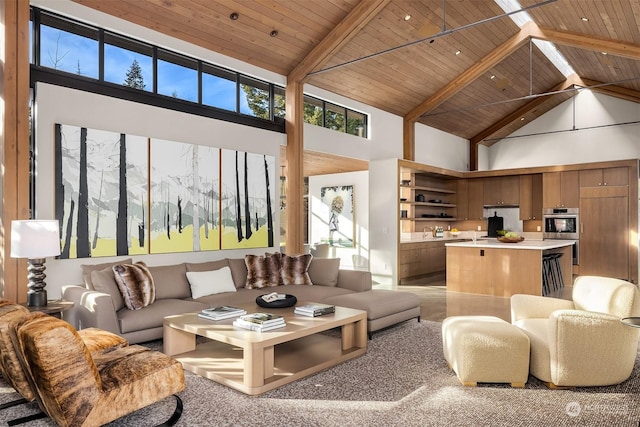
[{"x": 437, "y": 303}]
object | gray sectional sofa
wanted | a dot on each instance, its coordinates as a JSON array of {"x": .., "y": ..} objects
[{"x": 99, "y": 303}]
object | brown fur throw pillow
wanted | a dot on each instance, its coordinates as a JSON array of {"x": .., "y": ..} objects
[
  {"x": 263, "y": 271},
  {"x": 294, "y": 269},
  {"x": 135, "y": 283}
]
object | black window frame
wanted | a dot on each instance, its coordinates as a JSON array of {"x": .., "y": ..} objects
[{"x": 42, "y": 73}]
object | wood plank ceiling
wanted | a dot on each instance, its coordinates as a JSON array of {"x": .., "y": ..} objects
[{"x": 479, "y": 106}]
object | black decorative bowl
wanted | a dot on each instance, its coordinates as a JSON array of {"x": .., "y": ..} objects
[{"x": 288, "y": 301}]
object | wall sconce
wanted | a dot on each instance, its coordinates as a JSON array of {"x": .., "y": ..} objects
[{"x": 35, "y": 240}]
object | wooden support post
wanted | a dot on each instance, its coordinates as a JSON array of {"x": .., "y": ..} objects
[{"x": 14, "y": 140}]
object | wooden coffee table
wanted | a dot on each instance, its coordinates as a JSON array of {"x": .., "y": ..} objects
[{"x": 256, "y": 362}]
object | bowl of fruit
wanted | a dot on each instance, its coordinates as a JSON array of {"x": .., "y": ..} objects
[
  {"x": 510, "y": 237},
  {"x": 455, "y": 232}
]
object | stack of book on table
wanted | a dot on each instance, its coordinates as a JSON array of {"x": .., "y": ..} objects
[
  {"x": 260, "y": 322},
  {"x": 314, "y": 310},
  {"x": 222, "y": 312}
]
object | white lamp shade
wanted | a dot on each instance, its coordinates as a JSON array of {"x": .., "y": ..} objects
[{"x": 35, "y": 238}]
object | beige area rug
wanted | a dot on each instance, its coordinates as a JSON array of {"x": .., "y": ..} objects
[{"x": 403, "y": 380}]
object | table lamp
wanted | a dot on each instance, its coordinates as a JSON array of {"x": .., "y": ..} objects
[{"x": 35, "y": 240}]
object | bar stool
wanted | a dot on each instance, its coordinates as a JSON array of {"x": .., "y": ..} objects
[
  {"x": 547, "y": 275},
  {"x": 557, "y": 267}
]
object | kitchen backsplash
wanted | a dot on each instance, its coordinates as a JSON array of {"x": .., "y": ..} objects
[{"x": 511, "y": 217}]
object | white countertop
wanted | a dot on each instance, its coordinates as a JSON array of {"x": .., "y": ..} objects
[{"x": 539, "y": 245}]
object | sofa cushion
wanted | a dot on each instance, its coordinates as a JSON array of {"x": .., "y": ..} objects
[
  {"x": 135, "y": 284},
  {"x": 238, "y": 271},
  {"x": 105, "y": 282},
  {"x": 293, "y": 269},
  {"x": 88, "y": 268},
  {"x": 152, "y": 316},
  {"x": 171, "y": 281},
  {"x": 263, "y": 271},
  {"x": 210, "y": 282},
  {"x": 208, "y": 266},
  {"x": 324, "y": 271}
]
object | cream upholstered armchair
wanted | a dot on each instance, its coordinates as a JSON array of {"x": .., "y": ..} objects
[{"x": 581, "y": 342}]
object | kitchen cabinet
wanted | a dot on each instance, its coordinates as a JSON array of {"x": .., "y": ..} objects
[
  {"x": 502, "y": 190},
  {"x": 462, "y": 205},
  {"x": 605, "y": 232},
  {"x": 561, "y": 189},
  {"x": 421, "y": 258},
  {"x": 475, "y": 199},
  {"x": 604, "y": 177},
  {"x": 530, "y": 197}
]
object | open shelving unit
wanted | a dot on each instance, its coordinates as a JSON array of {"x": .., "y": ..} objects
[{"x": 425, "y": 198}]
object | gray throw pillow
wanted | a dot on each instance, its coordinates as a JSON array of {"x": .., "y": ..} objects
[
  {"x": 88, "y": 268},
  {"x": 324, "y": 271},
  {"x": 105, "y": 282}
]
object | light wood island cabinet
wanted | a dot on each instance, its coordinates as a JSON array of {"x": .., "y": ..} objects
[{"x": 502, "y": 269}]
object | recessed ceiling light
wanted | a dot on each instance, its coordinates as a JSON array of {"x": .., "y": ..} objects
[
  {"x": 458, "y": 52},
  {"x": 521, "y": 119},
  {"x": 584, "y": 19},
  {"x": 234, "y": 16},
  {"x": 604, "y": 53},
  {"x": 407, "y": 17},
  {"x": 492, "y": 76},
  {"x": 274, "y": 33}
]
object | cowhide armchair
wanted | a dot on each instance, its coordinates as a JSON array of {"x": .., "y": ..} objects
[
  {"x": 77, "y": 388},
  {"x": 96, "y": 340}
]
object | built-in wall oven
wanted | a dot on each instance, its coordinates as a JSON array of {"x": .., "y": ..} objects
[{"x": 563, "y": 223}]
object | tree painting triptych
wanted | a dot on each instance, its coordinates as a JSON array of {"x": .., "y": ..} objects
[{"x": 119, "y": 194}]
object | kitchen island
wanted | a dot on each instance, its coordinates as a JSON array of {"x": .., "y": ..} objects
[{"x": 491, "y": 267}]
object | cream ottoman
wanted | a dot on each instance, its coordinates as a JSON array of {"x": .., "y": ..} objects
[{"x": 485, "y": 349}]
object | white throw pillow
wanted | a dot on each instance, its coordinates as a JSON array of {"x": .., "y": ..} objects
[{"x": 210, "y": 282}]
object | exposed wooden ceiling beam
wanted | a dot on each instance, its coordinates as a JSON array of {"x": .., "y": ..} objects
[
  {"x": 471, "y": 74},
  {"x": 612, "y": 90},
  {"x": 613, "y": 47},
  {"x": 519, "y": 112},
  {"x": 348, "y": 28}
]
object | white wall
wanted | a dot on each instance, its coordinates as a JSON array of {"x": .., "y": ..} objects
[
  {"x": 436, "y": 148},
  {"x": 579, "y": 146},
  {"x": 384, "y": 225},
  {"x": 72, "y": 107},
  {"x": 318, "y": 223}
]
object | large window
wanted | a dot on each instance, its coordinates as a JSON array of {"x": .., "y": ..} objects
[
  {"x": 108, "y": 61},
  {"x": 218, "y": 87},
  {"x": 254, "y": 98},
  {"x": 128, "y": 62},
  {"x": 322, "y": 113},
  {"x": 69, "y": 46},
  {"x": 177, "y": 76}
]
